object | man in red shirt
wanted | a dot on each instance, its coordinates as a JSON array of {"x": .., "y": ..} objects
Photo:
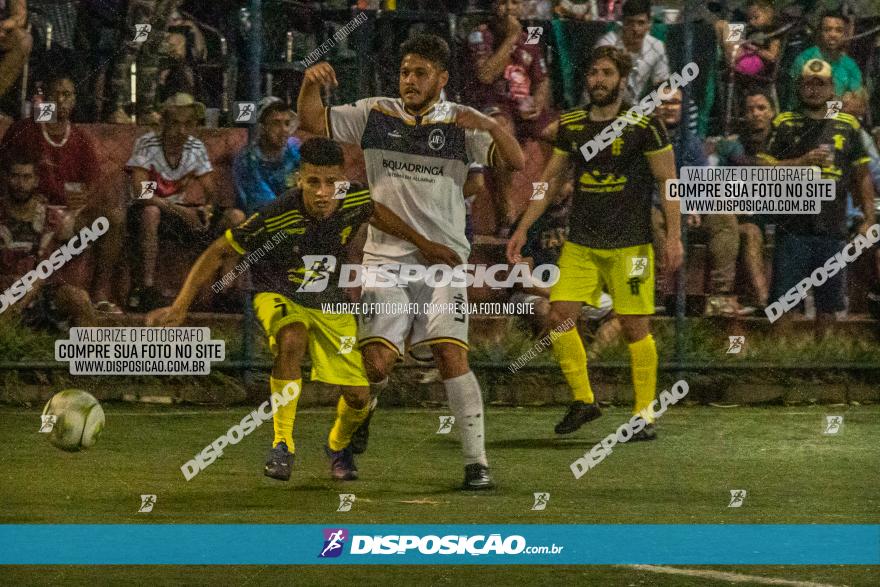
[
  {"x": 68, "y": 172},
  {"x": 28, "y": 232},
  {"x": 512, "y": 86}
]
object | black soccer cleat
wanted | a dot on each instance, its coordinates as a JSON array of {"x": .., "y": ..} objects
[
  {"x": 342, "y": 465},
  {"x": 279, "y": 462},
  {"x": 649, "y": 432},
  {"x": 578, "y": 414},
  {"x": 361, "y": 436},
  {"x": 476, "y": 478}
]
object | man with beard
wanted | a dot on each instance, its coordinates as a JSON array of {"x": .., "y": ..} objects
[
  {"x": 69, "y": 178},
  {"x": 28, "y": 235},
  {"x": 609, "y": 240},
  {"x": 417, "y": 149},
  {"x": 805, "y": 138}
]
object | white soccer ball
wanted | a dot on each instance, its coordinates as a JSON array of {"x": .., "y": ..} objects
[{"x": 78, "y": 419}]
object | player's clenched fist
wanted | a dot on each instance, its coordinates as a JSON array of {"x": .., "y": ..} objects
[
  {"x": 321, "y": 74},
  {"x": 514, "y": 247},
  {"x": 674, "y": 255},
  {"x": 466, "y": 117}
]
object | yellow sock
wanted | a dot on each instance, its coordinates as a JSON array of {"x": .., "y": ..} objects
[
  {"x": 347, "y": 421},
  {"x": 284, "y": 416},
  {"x": 568, "y": 348},
  {"x": 644, "y": 374}
]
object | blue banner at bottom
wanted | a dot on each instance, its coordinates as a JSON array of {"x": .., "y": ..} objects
[{"x": 257, "y": 544}]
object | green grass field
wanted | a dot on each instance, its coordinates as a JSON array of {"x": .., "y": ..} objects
[{"x": 792, "y": 472}]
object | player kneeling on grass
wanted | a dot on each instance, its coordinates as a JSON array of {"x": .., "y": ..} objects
[
  {"x": 609, "y": 241},
  {"x": 308, "y": 221}
]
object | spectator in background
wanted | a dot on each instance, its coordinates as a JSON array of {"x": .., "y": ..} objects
[
  {"x": 265, "y": 169},
  {"x": 511, "y": 86},
  {"x": 856, "y": 105},
  {"x": 156, "y": 13},
  {"x": 651, "y": 66},
  {"x": 740, "y": 151},
  {"x": 69, "y": 178},
  {"x": 719, "y": 231},
  {"x": 27, "y": 237},
  {"x": 15, "y": 42},
  {"x": 162, "y": 167},
  {"x": 831, "y": 49},
  {"x": 807, "y": 138},
  {"x": 755, "y": 59},
  {"x": 544, "y": 241}
]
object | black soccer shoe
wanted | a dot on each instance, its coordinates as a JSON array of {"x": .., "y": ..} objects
[
  {"x": 342, "y": 465},
  {"x": 476, "y": 478},
  {"x": 361, "y": 436},
  {"x": 279, "y": 462},
  {"x": 578, "y": 414},
  {"x": 649, "y": 432}
]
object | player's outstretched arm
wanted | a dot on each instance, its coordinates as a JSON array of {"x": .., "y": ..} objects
[
  {"x": 389, "y": 222},
  {"x": 199, "y": 276},
  {"x": 553, "y": 174},
  {"x": 663, "y": 167},
  {"x": 309, "y": 106},
  {"x": 505, "y": 143}
]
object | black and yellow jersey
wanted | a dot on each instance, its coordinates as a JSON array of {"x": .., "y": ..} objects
[
  {"x": 613, "y": 190},
  {"x": 277, "y": 238},
  {"x": 794, "y": 134}
]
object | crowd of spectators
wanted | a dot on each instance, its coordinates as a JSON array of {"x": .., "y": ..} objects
[{"x": 52, "y": 187}]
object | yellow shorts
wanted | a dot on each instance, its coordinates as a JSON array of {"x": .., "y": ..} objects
[
  {"x": 332, "y": 338},
  {"x": 627, "y": 274}
]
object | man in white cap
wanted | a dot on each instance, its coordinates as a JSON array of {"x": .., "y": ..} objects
[
  {"x": 163, "y": 165},
  {"x": 810, "y": 137}
]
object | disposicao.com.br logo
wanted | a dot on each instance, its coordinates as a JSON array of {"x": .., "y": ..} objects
[{"x": 480, "y": 544}]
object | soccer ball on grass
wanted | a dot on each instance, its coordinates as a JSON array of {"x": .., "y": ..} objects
[{"x": 78, "y": 420}]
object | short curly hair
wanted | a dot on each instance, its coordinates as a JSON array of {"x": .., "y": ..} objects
[
  {"x": 620, "y": 58},
  {"x": 428, "y": 46}
]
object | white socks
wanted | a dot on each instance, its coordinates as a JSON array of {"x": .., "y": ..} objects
[{"x": 466, "y": 403}]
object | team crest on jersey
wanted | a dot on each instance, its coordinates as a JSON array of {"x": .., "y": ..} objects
[{"x": 436, "y": 140}]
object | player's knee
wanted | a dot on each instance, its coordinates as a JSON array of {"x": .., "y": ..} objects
[
  {"x": 356, "y": 397},
  {"x": 451, "y": 359},
  {"x": 560, "y": 318},
  {"x": 291, "y": 342},
  {"x": 377, "y": 366},
  {"x": 635, "y": 328}
]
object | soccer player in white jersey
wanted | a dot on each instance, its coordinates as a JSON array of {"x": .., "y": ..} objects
[{"x": 417, "y": 149}]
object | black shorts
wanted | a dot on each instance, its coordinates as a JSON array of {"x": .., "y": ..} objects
[{"x": 174, "y": 228}]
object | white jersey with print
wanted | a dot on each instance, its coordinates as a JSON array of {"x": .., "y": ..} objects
[
  {"x": 416, "y": 167},
  {"x": 171, "y": 181}
]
